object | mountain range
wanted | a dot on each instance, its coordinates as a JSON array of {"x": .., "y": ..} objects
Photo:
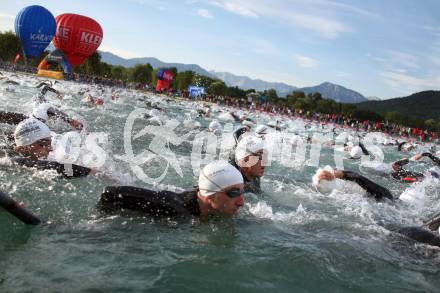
[
  {"x": 424, "y": 105},
  {"x": 327, "y": 89}
]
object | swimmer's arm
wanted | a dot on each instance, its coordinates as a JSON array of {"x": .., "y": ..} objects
[
  {"x": 11, "y": 117},
  {"x": 364, "y": 150},
  {"x": 60, "y": 114},
  {"x": 433, "y": 223},
  {"x": 41, "y": 84},
  {"x": 399, "y": 147},
  {"x": 400, "y": 163},
  {"x": 375, "y": 189},
  {"x": 435, "y": 159}
]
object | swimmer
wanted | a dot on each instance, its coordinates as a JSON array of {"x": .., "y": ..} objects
[
  {"x": 248, "y": 159},
  {"x": 219, "y": 192},
  {"x": 92, "y": 101},
  {"x": 33, "y": 143},
  {"x": 41, "y": 97},
  {"x": 399, "y": 173},
  {"x": 261, "y": 131},
  {"x": 215, "y": 127},
  {"x": 325, "y": 181},
  {"x": 45, "y": 111}
]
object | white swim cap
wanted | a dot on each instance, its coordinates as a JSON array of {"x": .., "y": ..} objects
[
  {"x": 40, "y": 112},
  {"x": 356, "y": 152},
  {"x": 272, "y": 124},
  {"x": 261, "y": 130},
  {"x": 247, "y": 123},
  {"x": 248, "y": 145},
  {"x": 214, "y": 125},
  {"x": 324, "y": 186},
  {"x": 217, "y": 176},
  {"x": 29, "y": 131}
]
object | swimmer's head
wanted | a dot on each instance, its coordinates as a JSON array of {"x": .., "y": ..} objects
[
  {"x": 249, "y": 156},
  {"x": 40, "y": 112},
  {"x": 261, "y": 130},
  {"x": 221, "y": 188},
  {"x": 215, "y": 126},
  {"x": 33, "y": 138},
  {"x": 356, "y": 152}
]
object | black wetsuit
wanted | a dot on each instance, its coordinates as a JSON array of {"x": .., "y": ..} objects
[
  {"x": 372, "y": 188},
  {"x": 11, "y": 117},
  {"x": 154, "y": 203},
  {"x": 252, "y": 185},
  {"x": 239, "y": 132},
  {"x": 64, "y": 170},
  {"x": 237, "y": 135},
  {"x": 364, "y": 150},
  {"x": 420, "y": 234},
  {"x": 402, "y": 174}
]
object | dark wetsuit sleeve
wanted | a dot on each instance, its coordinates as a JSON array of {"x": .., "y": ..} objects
[
  {"x": 402, "y": 173},
  {"x": 235, "y": 117},
  {"x": 435, "y": 159},
  {"x": 11, "y": 117},
  {"x": 64, "y": 169},
  {"x": 372, "y": 188},
  {"x": 399, "y": 147},
  {"x": 238, "y": 133},
  {"x": 364, "y": 150},
  {"x": 48, "y": 88},
  {"x": 434, "y": 223},
  {"x": 401, "y": 163},
  {"x": 421, "y": 235},
  {"x": 51, "y": 112},
  {"x": 155, "y": 203}
]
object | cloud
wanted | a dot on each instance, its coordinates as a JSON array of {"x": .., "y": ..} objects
[
  {"x": 407, "y": 83},
  {"x": 326, "y": 27},
  {"x": 158, "y": 4},
  {"x": 394, "y": 60},
  {"x": 205, "y": 13},
  {"x": 314, "y": 15},
  {"x": 403, "y": 59},
  {"x": 6, "y": 22},
  {"x": 236, "y": 7},
  {"x": 306, "y": 62}
]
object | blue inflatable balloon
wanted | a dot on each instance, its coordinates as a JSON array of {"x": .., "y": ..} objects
[{"x": 35, "y": 26}]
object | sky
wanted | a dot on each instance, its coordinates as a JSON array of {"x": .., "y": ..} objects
[{"x": 379, "y": 48}]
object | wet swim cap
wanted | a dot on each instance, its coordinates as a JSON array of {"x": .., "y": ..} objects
[
  {"x": 248, "y": 145},
  {"x": 247, "y": 123},
  {"x": 324, "y": 186},
  {"x": 272, "y": 124},
  {"x": 40, "y": 112},
  {"x": 214, "y": 125},
  {"x": 216, "y": 176},
  {"x": 356, "y": 152},
  {"x": 261, "y": 130},
  {"x": 29, "y": 131}
]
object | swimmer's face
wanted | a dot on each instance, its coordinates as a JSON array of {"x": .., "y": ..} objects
[
  {"x": 252, "y": 166},
  {"x": 224, "y": 204}
]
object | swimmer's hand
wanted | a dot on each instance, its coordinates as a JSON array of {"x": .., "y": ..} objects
[
  {"x": 416, "y": 157},
  {"x": 76, "y": 124}
]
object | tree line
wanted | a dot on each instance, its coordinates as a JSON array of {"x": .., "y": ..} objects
[{"x": 146, "y": 74}]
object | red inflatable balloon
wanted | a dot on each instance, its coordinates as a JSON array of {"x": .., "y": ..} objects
[{"x": 77, "y": 36}]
